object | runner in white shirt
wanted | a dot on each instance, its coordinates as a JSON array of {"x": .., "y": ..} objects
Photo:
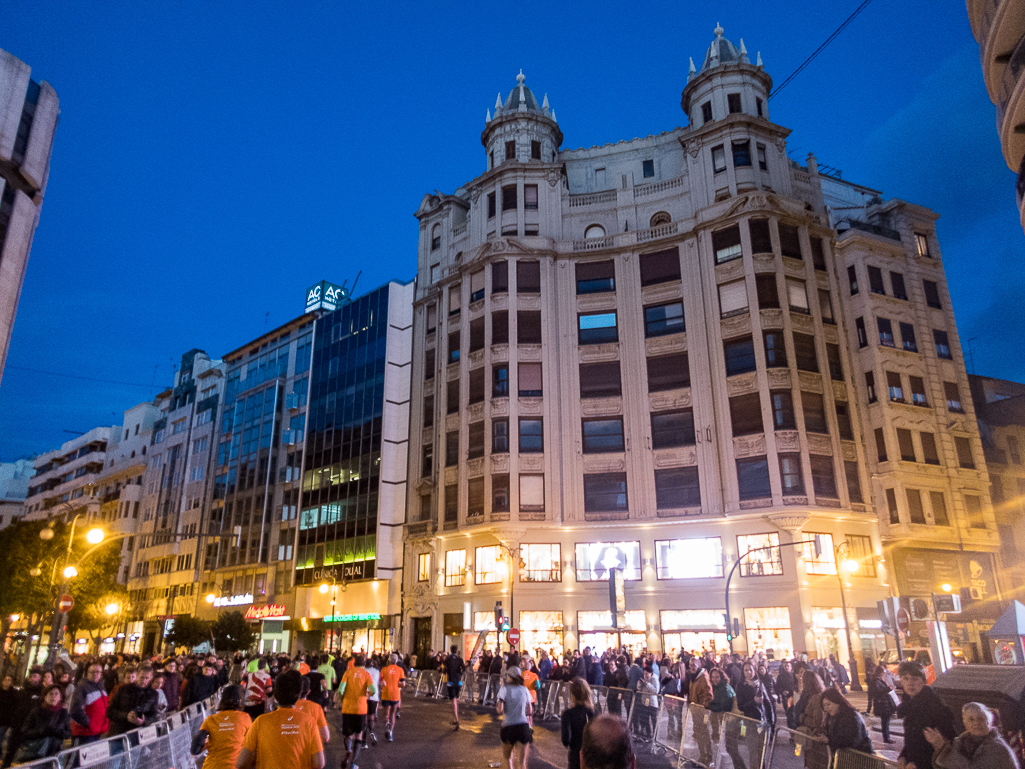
[
  {"x": 258, "y": 684},
  {"x": 373, "y": 700}
]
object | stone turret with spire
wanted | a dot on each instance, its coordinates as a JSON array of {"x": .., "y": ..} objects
[
  {"x": 726, "y": 71},
  {"x": 520, "y": 129}
]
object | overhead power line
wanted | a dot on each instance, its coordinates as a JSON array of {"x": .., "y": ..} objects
[
  {"x": 822, "y": 47},
  {"x": 84, "y": 378}
]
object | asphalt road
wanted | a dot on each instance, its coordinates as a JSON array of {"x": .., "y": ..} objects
[{"x": 424, "y": 737}]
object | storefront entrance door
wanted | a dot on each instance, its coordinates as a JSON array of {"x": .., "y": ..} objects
[{"x": 421, "y": 638}]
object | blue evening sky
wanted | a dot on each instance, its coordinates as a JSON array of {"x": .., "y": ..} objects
[{"x": 213, "y": 159}]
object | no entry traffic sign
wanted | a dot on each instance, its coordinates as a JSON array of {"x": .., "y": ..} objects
[
  {"x": 66, "y": 603},
  {"x": 513, "y": 636}
]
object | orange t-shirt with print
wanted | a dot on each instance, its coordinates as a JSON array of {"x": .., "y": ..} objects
[
  {"x": 227, "y": 729},
  {"x": 355, "y": 681},
  {"x": 530, "y": 681},
  {"x": 284, "y": 739},
  {"x": 312, "y": 709},
  {"x": 391, "y": 683}
]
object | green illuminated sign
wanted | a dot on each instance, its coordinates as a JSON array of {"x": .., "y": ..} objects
[{"x": 351, "y": 617}]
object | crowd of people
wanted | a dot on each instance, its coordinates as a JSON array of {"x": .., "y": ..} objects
[
  {"x": 91, "y": 698},
  {"x": 807, "y": 696}
]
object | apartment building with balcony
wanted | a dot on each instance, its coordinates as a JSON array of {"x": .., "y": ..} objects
[
  {"x": 14, "y": 482},
  {"x": 999, "y": 29},
  {"x": 66, "y": 479},
  {"x": 633, "y": 356},
  {"x": 28, "y": 119},
  {"x": 167, "y": 503}
]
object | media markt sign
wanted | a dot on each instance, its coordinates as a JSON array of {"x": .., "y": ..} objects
[{"x": 325, "y": 296}]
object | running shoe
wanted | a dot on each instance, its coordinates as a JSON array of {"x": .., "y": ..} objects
[
  {"x": 388, "y": 737},
  {"x": 373, "y": 738}
]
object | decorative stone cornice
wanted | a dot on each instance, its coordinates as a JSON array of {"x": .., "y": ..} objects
[{"x": 792, "y": 523}]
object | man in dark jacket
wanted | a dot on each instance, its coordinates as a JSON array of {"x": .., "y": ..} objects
[
  {"x": 202, "y": 686},
  {"x": 920, "y": 708},
  {"x": 172, "y": 685},
  {"x": 133, "y": 705}
]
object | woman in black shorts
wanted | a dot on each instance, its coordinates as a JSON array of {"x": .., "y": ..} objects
[{"x": 515, "y": 707}]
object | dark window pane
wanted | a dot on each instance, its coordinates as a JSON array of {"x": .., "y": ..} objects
[
  {"x": 528, "y": 327},
  {"x": 814, "y": 413},
  {"x": 932, "y": 294},
  {"x": 905, "y": 445},
  {"x": 833, "y": 358},
  {"x": 476, "y": 334},
  {"x": 753, "y": 478},
  {"x": 875, "y": 281},
  {"x": 677, "y": 487},
  {"x": 605, "y": 492},
  {"x": 429, "y": 364},
  {"x": 668, "y": 372},
  {"x": 602, "y": 435},
  {"x": 768, "y": 291},
  {"x": 740, "y": 355},
  {"x": 782, "y": 404},
  {"x": 475, "y": 448},
  {"x": 500, "y": 327},
  {"x": 596, "y": 277},
  {"x": 663, "y": 319},
  {"x": 929, "y": 452},
  {"x": 804, "y": 353},
  {"x": 790, "y": 473},
  {"x": 475, "y": 497},
  {"x": 746, "y": 414},
  {"x": 891, "y": 504},
  {"x": 818, "y": 254},
  {"x": 907, "y": 337},
  {"x": 880, "y": 444},
  {"x": 963, "y": 446},
  {"x": 775, "y": 351},
  {"x": 500, "y": 381},
  {"x": 528, "y": 277},
  {"x": 741, "y": 154},
  {"x": 843, "y": 421},
  {"x": 953, "y": 397},
  {"x": 897, "y": 284},
  {"x": 726, "y": 244},
  {"x": 939, "y": 508},
  {"x": 600, "y": 380},
  {"x": 452, "y": 448},
  {"x": 453, "y": 347},
  {"x": 500, "y": 436},
  {"x": 761, "y": 242},
  {"x": 660, "y": 267},
  {"x": 915, "y": 509},
  {"x": 452, "y": 396},
  {"x": 531, "y": 436},
  {"x": 500, "y": 493},
  {"x": 672, "y": 428},
  {"x": 476, "y": 385},
  {"x": 852, "y": 280},
  {"x": 942, "y": 344},
  {"x": 823, "y": 479},
  {"x": 509, "y": 198},
  {"x": 853, "y": 482},
  {"x": 499, "y": 277},
  {"x": 789, "y": 241},
  {"x": 597, "y": 328}
]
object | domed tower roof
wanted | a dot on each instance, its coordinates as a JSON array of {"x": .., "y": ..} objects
[
  {"x": 722, "y": 51},
  {"x": 522, "y": 99}
]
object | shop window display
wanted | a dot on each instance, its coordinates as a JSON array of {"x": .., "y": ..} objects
[{"x": 768, "y": 630}]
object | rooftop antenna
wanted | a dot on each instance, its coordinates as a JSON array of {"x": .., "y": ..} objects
[{"x": 971, "y": 355}]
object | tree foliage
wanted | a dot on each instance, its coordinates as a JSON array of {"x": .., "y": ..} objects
[
  {"x": 188, "y": 632},
  {"x": 96, "y": 586},
  {"x": 232, "y": 632}
]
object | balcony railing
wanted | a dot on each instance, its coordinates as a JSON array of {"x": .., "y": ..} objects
[
  {"x": 592, "y": 198},
  {"x": 875, "y": 229}
]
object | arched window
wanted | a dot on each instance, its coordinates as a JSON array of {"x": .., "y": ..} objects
[
  {"x": 436, "y": 237},
  {"x": 594, "y": 231},
  {"x": 660, "y": 218}
]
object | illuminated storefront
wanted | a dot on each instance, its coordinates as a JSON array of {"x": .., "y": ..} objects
[
  {"x": 827, "y": 627},
  {"x": 768, "y": 630},
  {"x": 693, "y": 630},
  {"x": 541, "y": 630},
  {"x": 366, "y": 632},
  {"x": 595, "y": 630}
]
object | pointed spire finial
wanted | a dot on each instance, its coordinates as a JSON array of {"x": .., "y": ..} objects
[
  {"x": 759, "y": 62},
  {"x": 692, "y": 69},
  {"x": 520, "y": 77},
  {"x": 553, "y": 117},
  {"x": 488, "y": 118},
  {"x": 718, "y": 29},
  {"x": 498, "y": 103},
  {"x": 544, "y": 104},
  {"x": 743, "y": 50}
]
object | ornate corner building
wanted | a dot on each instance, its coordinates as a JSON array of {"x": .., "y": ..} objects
[{"x": 660, "y": 354}]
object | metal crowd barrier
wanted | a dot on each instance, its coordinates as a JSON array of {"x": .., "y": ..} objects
[
  {"x": 853, "y": 759},
  {"x": 161, "y": 745},
  {"x": 797, "y": 750}
]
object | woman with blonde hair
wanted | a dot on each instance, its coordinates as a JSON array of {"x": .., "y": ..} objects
[{"x": 576, "y": 718}]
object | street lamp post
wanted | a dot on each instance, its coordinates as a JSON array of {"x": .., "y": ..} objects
[{"x": 849, "y": 565}]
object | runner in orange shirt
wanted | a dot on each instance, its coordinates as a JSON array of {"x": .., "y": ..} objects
[
  {"x": 356, "y": 685},
  {"x": 530, "y": 680},
  {"x": 313, "y": 709},
  {"x": 222, "y": 732},
  {"x": 392, "y": 678},
  {"x": 286, "y": 738}
]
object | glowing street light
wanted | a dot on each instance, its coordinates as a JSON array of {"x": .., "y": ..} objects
[
  {"x": 70, "y": 572},
  {"x": 95, "y": 536},
  {"x": 947, "y": 587},
  {"x": 112, "y": 608},
  {"x": 323, "y": 588},
  {"x": 46, "y": 534},
  {"x": 210, "y": 598},
  {"x": 849, "y": 565}
]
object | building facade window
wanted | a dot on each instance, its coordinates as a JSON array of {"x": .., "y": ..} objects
[
  {"x": 531, "y": 436},
  {"x": 602, "y": 436},
  {"x": 740, "y": 355},
  {"x": 753, "y": 478},
  {"x": 597, "y": 328},
  {"x": 760, "y": 554},
  {"x": 455, "y": 568},
  {"x": 543, "y": 563},
  {"x": 605, "y": 492},
  {"x": 600, "y": 380},
  {"x": 677, "y": 487},
  {"x": 670, "y": 429}
]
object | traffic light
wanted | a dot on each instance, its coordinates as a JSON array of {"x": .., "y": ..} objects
[
  {"x": 500, "y": 621},
  {"x": 729, "y": 633}
]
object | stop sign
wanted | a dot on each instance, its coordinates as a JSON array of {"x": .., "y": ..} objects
[
  {"x": 903, "y": 620},
  {"x": 66, "y": 603},
  {"x": 513, "y": 636}
]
